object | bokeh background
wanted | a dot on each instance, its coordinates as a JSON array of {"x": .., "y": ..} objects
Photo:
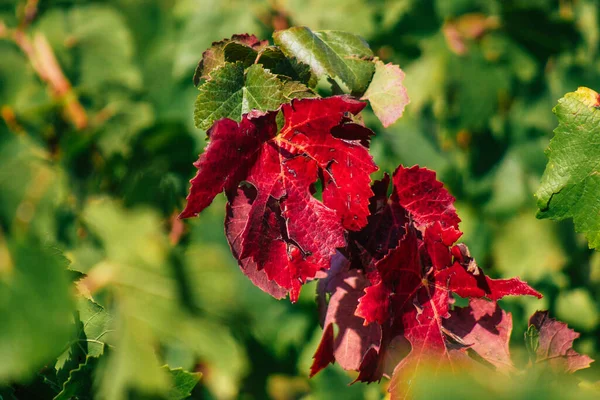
[{"x": 97, "y": 143}]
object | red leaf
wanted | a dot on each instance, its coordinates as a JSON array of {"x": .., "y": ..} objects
[
  {"x": 416, "y": 195},
  {"x": 324, "y": 354},
  {"x": 231, "y": 151},
  {"x": 235, "y": 221},
  {"x": 289, "y": 234},
  {"x": 425, "y": 198},
  {"x": 485, "y": 328},
  {"x": 555, "y": 345},
  {"x": 353, "y": 340}
]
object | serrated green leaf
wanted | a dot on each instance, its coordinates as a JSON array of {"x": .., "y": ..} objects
[
  {"x": 232, "y": 92},
  {"x": 334, "y": 54},
  {"x": 183, "y": 383},
  {"x": 571, "y": 182},
  {"x": 93, "y": 327},
  {"x": 79, "y": 384}
]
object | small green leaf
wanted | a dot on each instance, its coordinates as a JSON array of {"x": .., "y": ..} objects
[
  {"x": 571, "y": 183},
  {"x": 243, "y": 48},
  {"x": 532, "y": 342},
  {"x": 335, "y": 54},
  {"x": 80, "y": 383},
  {"x": 183, "y": 383},
  {"x": 232, "y": 92}
]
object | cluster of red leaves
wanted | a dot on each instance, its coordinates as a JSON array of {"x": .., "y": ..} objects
[
  {"x": 397, "y": 284},
  {"x": 395, "y": 263}
]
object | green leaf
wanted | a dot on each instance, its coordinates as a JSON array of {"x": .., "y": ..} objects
[
  {"x": 183, "y": 383},
  {"x": 386, "y": 93},
  {"x": 532, "y": 342},
  {"x": 232, "y": 92},
  {"x": 334, "y": 54},
  {"x": 571, "y": 182},
  {"x": 33, "y": 280},
  {"x": 79, "y": 385},
  {"x": 93, "y": 323}
]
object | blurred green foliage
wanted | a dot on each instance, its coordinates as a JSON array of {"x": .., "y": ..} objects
[{"x": 97, "y": 169}]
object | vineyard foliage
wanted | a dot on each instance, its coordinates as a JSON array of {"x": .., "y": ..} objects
[{"x": 109, "y": 289}]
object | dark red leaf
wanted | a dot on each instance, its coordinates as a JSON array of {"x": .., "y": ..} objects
[
  {"x": 555, "y": 345},
  {"x": 235, "y": 221},
  {"x": 231, "y": 151},
  {"x": 417, "y": 190},
  {"x": 386, "y": 223},
  {"x": 485, "y": 328},
  {"x": 353, "y": 339},
  {"x": 324, "y": 354}
]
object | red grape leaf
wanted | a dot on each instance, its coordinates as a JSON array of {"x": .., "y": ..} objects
[
  {"x": 288, "y": 232},
  {"x": 353, "y": 339},
  {"x": 235, "y": 221},
  {"x": 226, "y": 158},
  {"x": 554, "y": 344},
  {"x": 417, "y": 190},
  {"x": 485, "y": 328}
]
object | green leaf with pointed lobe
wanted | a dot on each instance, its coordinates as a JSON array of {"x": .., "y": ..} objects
[
  {"x": 339, "y": 55},
  {"x": 80, "y": 383},
  {"x": 183, "y": 383},
  {"x": 232, "y": 92},
  {"x": 570, "y": 185}
]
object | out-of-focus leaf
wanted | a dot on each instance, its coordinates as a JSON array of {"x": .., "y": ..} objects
[
  {"x": 94, "y": 41},
  {"x": 359, "y": 15},
  {"x": 207, "y": 21},
  {"x": 33, "y": 280},
  {"x": 183, "y": 383},
  {"x": 147, "y": 309},
  {"x": 577, "y": 307},
  {"x": 516, "y": 253}
]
